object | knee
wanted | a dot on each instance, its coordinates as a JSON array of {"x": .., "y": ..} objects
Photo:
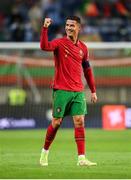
[
  {"x": 56, "y": 122},
  {"x": 78, "y": 121}
]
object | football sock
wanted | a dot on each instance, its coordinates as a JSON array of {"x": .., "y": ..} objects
[
  {"x": 81, "y": 156},
  {"x": 80, "y": 140},
  {"x": 50, "y": 135},
  {"x": 46, "y": 151}
]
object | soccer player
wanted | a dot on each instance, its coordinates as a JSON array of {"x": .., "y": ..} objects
[{"x": 70, "y": 56}]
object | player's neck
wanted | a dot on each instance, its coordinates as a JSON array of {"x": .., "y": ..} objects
[{"x": 73, "y": 39}]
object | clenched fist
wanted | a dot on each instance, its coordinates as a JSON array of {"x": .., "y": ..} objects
[{"x": 47, "y": 22}]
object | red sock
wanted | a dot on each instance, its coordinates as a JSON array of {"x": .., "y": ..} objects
[
  {"x": 80, "y": 140},
  {"x": 50, "y": 135}
]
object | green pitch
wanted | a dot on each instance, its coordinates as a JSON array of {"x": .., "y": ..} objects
[{"x": 20, "y": 152}]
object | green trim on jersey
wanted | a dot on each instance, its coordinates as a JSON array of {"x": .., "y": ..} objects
[{"x": 68, "y": 103}]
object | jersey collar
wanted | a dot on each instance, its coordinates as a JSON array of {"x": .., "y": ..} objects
[{"x": 77, "y": 42}]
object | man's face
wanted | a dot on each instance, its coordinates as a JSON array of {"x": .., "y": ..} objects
[{"x": 72, "y": 28}]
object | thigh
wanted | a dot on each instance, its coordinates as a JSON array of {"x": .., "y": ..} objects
[{"x": 79, "y": 104}]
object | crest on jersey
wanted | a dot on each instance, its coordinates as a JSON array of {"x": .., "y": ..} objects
[
  {"x": 81, "y": 53},
  {"x": 58, "y": 109}
]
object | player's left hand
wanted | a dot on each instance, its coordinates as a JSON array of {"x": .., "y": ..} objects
[{"x": 93, "y": 97}]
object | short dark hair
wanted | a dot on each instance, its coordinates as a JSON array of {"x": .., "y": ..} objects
[{"x": 75, "y": 18}]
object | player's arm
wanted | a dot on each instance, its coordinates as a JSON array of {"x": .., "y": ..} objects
[
  {"x": 44, "y": 43},
  {"x": 90, "y": 79}
]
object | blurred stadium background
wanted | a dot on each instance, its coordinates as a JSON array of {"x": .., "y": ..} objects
[{"x": 26, "y": 72}]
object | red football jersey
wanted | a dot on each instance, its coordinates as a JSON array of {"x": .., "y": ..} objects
[{"x": 68, "y": 61}]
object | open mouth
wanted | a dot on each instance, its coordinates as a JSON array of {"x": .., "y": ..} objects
[{"x": 69, "y": 31}]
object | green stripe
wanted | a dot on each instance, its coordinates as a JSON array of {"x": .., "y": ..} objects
[
  {"x": 41, "y": 71},
  {"x": 34, "y": 71},
  {"x": 112, "y": 71},
  {"x": 49, "y": 72}
]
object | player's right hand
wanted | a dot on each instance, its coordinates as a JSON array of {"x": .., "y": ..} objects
[{"x": 47, "y": 22}]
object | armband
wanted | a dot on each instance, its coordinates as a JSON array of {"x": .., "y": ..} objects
[{"x": 85, "y": 64}]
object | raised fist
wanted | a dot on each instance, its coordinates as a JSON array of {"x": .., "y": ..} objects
[{"x": 47, "y": 22}]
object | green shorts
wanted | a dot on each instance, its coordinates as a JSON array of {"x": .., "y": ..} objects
[{"x": 68, "y": 103}]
